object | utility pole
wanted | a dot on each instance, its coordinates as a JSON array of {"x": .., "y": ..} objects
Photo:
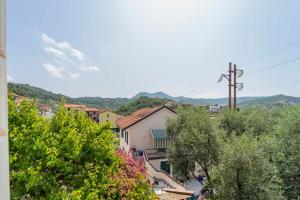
[
  {"x": 229, "y": 86},
  {"x": 236, "y": 86},
  {"x": 4, "y": 152}
]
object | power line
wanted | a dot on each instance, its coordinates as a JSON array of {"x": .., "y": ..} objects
[
  {"x": 273, "y": 85},
  {"x": 272, "y": 52},
  {"x": 274, "y": 65}
]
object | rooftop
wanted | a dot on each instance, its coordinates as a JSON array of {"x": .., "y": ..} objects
[
  {"x": 74, "y": 105},
  {"x": 135, "y": 117}
]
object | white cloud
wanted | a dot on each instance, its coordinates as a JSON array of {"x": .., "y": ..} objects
[
  {"x": 55, "y": 52},
  {"x": 53, "y": 70},
  {"x": 65, "y": 54},
  {"x": 10, "y": 79},
  {"x": 74, "y": 76},
  {"x": 89, "y": 68}
]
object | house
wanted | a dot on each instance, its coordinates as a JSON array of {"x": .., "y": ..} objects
[
  {"x": 91, "y": 112},
  {"x": 109, "y": 116},
  {"x": 18, "y": 99},
  {"x": 216, "y": 108},
  {"x": 97, "y": 115},
  {"x": 143, "y": 134},
  {"x": 46, "y": 111}
]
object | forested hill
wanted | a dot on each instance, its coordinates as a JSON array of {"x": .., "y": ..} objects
[
  {"x": 53, "y": 99},
  {"x": 126, "y": 105}
]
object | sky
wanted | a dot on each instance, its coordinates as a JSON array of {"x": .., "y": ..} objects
[{"x": 117, "y": 48}]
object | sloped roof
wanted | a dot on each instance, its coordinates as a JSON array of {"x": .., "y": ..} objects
[
  {"x": 68, "y": 105},
  {"x": 91, "y": 109},
  {"x": 139, "y": 115}
]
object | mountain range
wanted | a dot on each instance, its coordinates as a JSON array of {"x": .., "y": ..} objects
[{"x": 115, "y": 103}]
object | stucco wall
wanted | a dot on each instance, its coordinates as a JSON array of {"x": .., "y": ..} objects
[
  {"x": 112, "y": 118},
  {"x": 140, "y": 133}
]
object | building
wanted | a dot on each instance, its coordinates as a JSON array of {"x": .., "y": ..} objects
[
  {"x": 143, "y": 134},
  {"x": 18, "y": 99},
  {"x": 216, "y": 108},
  {"x": 46, "y": 111},
  {"x": 109, "y": 116},
  {"x": 97, "y": 115},
  {"x": 92, "y": 113}
]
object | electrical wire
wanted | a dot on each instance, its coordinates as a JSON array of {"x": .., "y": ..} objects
[
  {"x": 273, "y": 66},
  {"x": 272, "y": 52},
  {"x": 277, "y": 84}
]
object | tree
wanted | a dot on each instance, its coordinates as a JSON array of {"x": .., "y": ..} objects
[
  {"x": 192, "y": 141},
  {"x": 287, "y": 136},
  {"x": 254, "y": 121},
  {"x": 244, "y": 172},
  {"x": 68, "y": 157},
  {"x": 130, "y": 181}
]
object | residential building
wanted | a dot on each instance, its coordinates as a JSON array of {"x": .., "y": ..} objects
[
  {"x": 46, "y": 111},
  {"x": 97, "y": 115},
  {"x": 91, "y": 112},
  {"x": 18, "y": 99},
  {"x": 143, "y": 134},
  {"x": 216, "y": 108},
  {"x": 109, "y": 116}
]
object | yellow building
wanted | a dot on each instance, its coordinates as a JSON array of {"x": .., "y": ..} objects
[{"x": 108, "y": 116}]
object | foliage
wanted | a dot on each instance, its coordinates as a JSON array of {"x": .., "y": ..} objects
[
  {"x": 253, "y": 121},
  {"x": 47, "y": 97},
  {"x": 288, "y": 157},
  {"x": 245, "y": 172},
  {"x": 68, "y": 157},
  {"x": 192, "y": 140},
  {"x": 130, "y": 181},
  {"x": 142, "y": 102}
]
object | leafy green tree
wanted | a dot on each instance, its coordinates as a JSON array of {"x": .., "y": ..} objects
[
  {"x": 244, "y": 172},
  {"x": 192, "y": 141},
  {"x": 68, "y": 157},
  {"x": 254, "y": 121},
  {"x": 233, "y": 122},
  {"x": 287, "y": 136},
  {"x": 142, "y": 102}
]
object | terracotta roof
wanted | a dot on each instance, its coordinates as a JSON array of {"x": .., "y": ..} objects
[
  {"x": 46, "y": 107},
  {"x": 74, "y": 105},
  {"x": 91, "y": 109},
  {"x": 126, "y": 122}
]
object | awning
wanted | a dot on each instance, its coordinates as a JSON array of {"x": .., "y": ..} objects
[
  {"x": 160, "y": 138},
  {"x": 159, "y": 134}
]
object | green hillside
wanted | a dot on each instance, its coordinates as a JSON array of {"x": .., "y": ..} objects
[
  {"x": 125, "y": 106},
  {"x": 43, "y": 96}
]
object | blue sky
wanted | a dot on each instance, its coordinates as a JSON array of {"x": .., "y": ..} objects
[{"x": 117, "y": 48}]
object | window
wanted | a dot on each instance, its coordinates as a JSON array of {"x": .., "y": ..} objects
[
  {"x": 122, "y": 134},
  {"x": 165, "y": 165},
  {"x": 126, "y": 137}
]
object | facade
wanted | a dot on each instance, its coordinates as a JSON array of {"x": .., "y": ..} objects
[
  {"x": 143, "y": 133},
  {"x": 136, "y": 130},
  {"x": 216, "y": 108},
  {"x": 91, "y": 112},
  {"x": 108, "y": 116},
  {"x": 97, "y": 115},
  {"x": 46, "y": 111}
]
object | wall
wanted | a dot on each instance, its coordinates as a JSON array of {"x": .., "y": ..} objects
[
  {"x": 112, "y": 118},
  {"x": 140, "y": 133}
]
